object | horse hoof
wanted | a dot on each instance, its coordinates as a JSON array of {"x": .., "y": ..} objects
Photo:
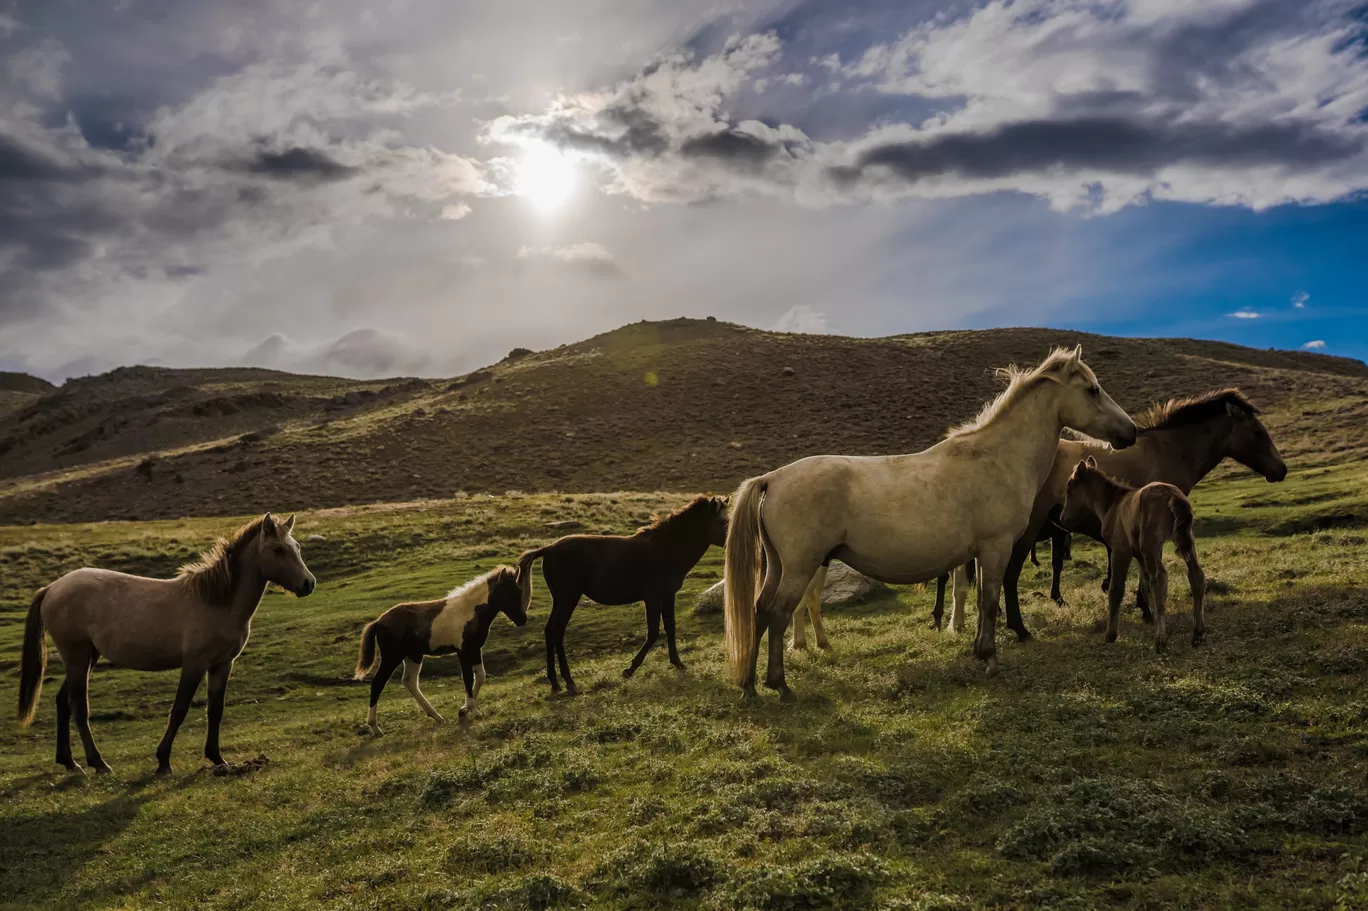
[
  {"x": 1198, "y": 639},
  {"x": 786, "y": 695},
  {"x": 627, "y": 674},
  {"x": 1059, "y": 600},
  {"x": 72, "y": 766},
  {"x": 375, "y": 730},
  {"x": 993, "y": 666},
  {"x": 571, "y": 690},
  {"x": 679, "y": 666},
  {"x": 797, "y": 646},
  {"x": 1161, "y": 645},
  {"x": 823, "y": 644},
  {"x": 1111, "y": 637},
  {"x": 1023, "y": 635},
  {"x": 748, "y": 694},
  {"x": 100, "y": 766},
  {"x": 164, "y": 771}
]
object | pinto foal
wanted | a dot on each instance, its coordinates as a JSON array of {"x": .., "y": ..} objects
[
  {"x": 1136, "y": 522},
  {"x": 457, "y": 623}
]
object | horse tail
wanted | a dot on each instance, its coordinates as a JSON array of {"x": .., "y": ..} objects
[
  {"x": 744, "y": 550},
  {"x": 366, "y": 659},
  {"x": 33, "y": 661},
  {"x": 1182, "y": 526},
  {"x": 525, "y": 573}
]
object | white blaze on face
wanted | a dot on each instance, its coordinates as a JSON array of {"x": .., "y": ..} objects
[{"x": 545, "y": 177}]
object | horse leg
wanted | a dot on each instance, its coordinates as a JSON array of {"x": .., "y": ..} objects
[
  {"x": 769, "y": 590},
  {"x": 792, "y": 587},
  {"x": 1007, "y": 581},
  {"x": 78, "y": 695},
  {"x": 468, "y": 678},
  {"x": 959, "y": 595},
  {"x": 1107, "y": 576},
  {"x": 1158, "y": 590},
  {"x": 811, "y": 605},
  {"x": 668, "y": 614},
  {"x": 798, "y": 641},
  {"x": 993, "y": 559},
  {"x": 1058, "y": 547},
  {"x": 479, "y": 672},
  {"x": 652, "y": 632},
  {"x": 570, "y": 687},
  {"x": 1119, "y": 563},
  {"x": 64, "y": 729},
  {"x": 218, "y": 688},
  {"x": 389, "y": 660},
  {"x": 189, "y": 682},
  {"x": 1035, "y": 561},
  {"x": 938, "y": 612},
  {"x": 561, "y": 609},
  {"x": 1197, "y": 582},
  {"x": 1142, "y": 601},
  {"x": 413, "y": 666}
]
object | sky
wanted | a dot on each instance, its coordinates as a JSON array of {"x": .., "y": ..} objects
[{"x": 420, "y": 186}]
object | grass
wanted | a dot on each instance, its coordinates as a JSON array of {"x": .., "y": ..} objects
[{"x": 1083, "y": 776}]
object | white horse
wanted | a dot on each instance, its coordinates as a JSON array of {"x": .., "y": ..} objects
[{"x": 907, "y": 518}]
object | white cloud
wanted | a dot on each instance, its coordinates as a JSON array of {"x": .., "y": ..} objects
[
  {"x": 1314, "y": 345},
  {"x": 803, "y": 319},
  {"x": 590, "y": 256},
  {"x": 456, "y": 211},
  {"x": 1299, "y": 300},
  {"x": 1244, "y": 314}
]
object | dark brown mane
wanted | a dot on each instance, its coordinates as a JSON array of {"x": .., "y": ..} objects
[
  {"x": 215, "y": 572},
  {"x": 691, "y": 511},
  {"x": 1194, "y": 409}
]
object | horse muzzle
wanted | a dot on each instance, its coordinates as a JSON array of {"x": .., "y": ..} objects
[{"x": 306, "y": 588}]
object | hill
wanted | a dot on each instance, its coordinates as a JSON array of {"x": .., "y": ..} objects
[
  {"x": 20, "y": 389},
  {"x": 677, "y": 405}
]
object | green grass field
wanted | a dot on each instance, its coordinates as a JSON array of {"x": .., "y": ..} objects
[{"x": 1085, "y": 775}]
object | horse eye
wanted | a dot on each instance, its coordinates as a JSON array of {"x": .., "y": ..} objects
[{"x": 1096, "y": 390}]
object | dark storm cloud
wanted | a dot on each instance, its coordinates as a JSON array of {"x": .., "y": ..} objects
[
  {"x": 735, "y": 146},
  {"x": 298, "y": 164},
  {"x": 1106, "y": 144}
]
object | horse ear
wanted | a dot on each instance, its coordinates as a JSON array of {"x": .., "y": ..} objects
[
  {"x": 1090, "y": 462},
  {"x": 1234, "y": 410},
  {"x": 289, "y": 525},
  {"x": 268, "y": 522}
]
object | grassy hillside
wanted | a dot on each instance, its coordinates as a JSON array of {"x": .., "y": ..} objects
[
  {"x": 1084, "y": 776},
  {"x": 681, "y": 405}
]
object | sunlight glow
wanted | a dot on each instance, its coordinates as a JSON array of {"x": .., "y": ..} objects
[{"x": 545, "y": 177}]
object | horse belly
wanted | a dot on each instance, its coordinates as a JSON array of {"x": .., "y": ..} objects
[
  {"x": 902, "y": 568},
  {"x": 141, "y": 655}
]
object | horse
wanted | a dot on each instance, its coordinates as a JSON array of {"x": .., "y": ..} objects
[
  {"x": 906, "y": 518},
  {"x": 458, "y": 623},
  {"x": 648, "y": 566},
  {"x": 1179, "y": 443},
  {"x": 198, "y": 621},
  {"x": 1137, "y": 522}
]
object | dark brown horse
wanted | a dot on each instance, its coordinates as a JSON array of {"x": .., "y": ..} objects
[
  {"x": 648, "y": 566},
  {"x": 1136, "y": 523},
  {"x": 1179, "y": 443}
]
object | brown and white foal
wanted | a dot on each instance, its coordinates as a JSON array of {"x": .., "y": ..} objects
[
  {"x": 1136, "y": 522},
  {"x": 459, "y": 623}
]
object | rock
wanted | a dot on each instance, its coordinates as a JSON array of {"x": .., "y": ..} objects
[
  {"x": 710, "y": 601},
  {"x": 788, "y": 371},
  {"x": 564, "y": 524},
  {"x": 734, "y": 445},
  {"x": 847, "y": 586},
  {"x": 314, "y": 539},
  {"x": 843, "y": 586}
]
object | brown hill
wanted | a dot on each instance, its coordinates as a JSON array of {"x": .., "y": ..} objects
[
  {"x": 18, "y": 390},
  {"x": 677, "y": 405}
]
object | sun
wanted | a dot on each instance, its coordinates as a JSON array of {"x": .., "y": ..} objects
[{"x": 545, "y": 177}]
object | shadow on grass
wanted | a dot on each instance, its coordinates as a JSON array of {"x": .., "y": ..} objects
[{"x": 40, "y": 852}]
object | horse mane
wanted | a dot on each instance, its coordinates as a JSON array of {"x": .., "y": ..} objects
[
  {"x": 1019, "y": 379},
  {"x": 690, "y": 510},
  {"x": 1194, "y": 409},
  {"x": 214, "y": 574},
  {"x": 466, "y": 588}
]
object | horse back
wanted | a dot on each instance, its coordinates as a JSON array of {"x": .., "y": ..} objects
[
  {"x": 133, "y": 621},
  {"x": 609, "y": 569}
]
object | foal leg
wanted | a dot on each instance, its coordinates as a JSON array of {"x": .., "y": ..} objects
[
  {"x": 1158, "y": 591},
  {"x": 389, "y": 660},
  {"x": 959, "y": 594},
  {"x": 218, "y": 688},
  {"x": 468, "y": 677},
  {"x": 563, "y": 606},
  {"x": 1120, "y": 562},
  {"x": 1008, "y": 580},
  {"x": 811, "y": 605},
  {"x": 1107, "y": 576},
  {"x": 413, "y": 666},
  {"x": 1197, "y": 582},
  {"x": 938, "y": 612},
  {"x": 189, "y": 682},
  {"x": 479, "y": 672},
  {"x": 653, "y": 612},
  {"x": 668, "y": 612},
  {"x": 1058, "y": 548}
]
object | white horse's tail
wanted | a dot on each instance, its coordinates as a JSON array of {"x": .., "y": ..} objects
[{"x": 742, "y": 571}]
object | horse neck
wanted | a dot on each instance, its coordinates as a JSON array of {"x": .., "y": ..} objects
[
  {"x": 484, "y": 616},
  {"x": 684, "y": 543},
  {"x": 1029, "y": 424},
  {"x": 1189, "y": 452},
  {"x": 248, "y": 586}
]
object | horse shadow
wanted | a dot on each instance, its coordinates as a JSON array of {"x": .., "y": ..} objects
[{"x": 40, "y": 852}]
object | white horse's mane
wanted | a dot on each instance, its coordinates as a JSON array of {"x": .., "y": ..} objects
[
  {"x": 1018, "y": 380},
  {"x": 461, "y": 591}
]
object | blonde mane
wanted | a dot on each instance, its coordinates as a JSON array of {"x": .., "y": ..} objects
[
  {"x": 461, "y": 592},
  {"x": 1019, "y": 379},
  {"x": 213, "y": 575}
]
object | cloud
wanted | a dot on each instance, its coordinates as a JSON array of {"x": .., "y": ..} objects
[
  {"x": 1299, "y": 300},
  {"x": 456, "y": 211},
  {"x": 591, "y": 257},
  {"x": 1314, "y": 345},
  {"x": 1244, "y": 314},
  {"x": 363, "y": 353},
  {"x": 803, "y": 319}
]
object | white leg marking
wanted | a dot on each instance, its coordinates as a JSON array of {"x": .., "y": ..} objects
[
  {"x": 411, "y": 672},
  {"x": 370, "y": 722},
  {"x": 959, "y": 596}
]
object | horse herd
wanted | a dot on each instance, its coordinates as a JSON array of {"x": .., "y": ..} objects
[{"x": 980, "y": 498}]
